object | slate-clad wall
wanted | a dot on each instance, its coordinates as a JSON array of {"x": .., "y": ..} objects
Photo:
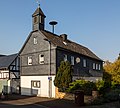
[
  {"x": 31, "y": 49},
  {"x": 78, "y": 68}
]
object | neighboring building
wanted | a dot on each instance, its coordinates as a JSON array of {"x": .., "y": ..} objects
[
  {"x": 9, "y": 73},
  {"x": 42, "y": 53}
]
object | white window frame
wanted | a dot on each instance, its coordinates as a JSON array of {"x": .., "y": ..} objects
[
  {"x": 99, "y": 67},
  {"x": 41, "y": 59},
  {"x": 30, "y": 60},
  {"x": 84, "y": 63},
  {"x": 65, "y": 57},
  {"x": 72, "y": 60},
  {"x": 35, "y": 40},
  {"x": 36, "y": 84},
  {"x": 94, "y": 65}
]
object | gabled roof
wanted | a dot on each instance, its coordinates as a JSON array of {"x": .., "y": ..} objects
[
  {"x": 5, "y": 61},
  {"x": 69, "y": 45},
  {"x": 38, "y": 12}
]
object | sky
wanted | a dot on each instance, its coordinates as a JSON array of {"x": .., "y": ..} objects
[{"x": 91, "y": 23}]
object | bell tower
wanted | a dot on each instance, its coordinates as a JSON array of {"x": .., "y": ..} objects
[{"x": 38, "y": 19}]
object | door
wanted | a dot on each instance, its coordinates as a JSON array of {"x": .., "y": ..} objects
[{"x": 50, "y": 87}]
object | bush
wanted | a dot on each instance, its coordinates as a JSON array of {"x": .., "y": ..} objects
[
  {"x": 84, "y": 85},
  {"x": 112, "y": 95},
  {"x": 102, "y": 86}
]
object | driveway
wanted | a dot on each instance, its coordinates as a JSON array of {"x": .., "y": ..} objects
[{"x": 18, "y": 101}]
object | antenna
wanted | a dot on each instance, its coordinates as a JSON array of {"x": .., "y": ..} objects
[
  {"x": 53, "y": 23},
  {"x": 38, "y": 2}
]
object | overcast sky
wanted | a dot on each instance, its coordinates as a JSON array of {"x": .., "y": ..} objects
[{"x": 92, "y": 23}]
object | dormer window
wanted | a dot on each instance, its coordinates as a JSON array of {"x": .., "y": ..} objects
[
  {"x": 65, "y": 43},
  {"x": 35, "y": 40}
]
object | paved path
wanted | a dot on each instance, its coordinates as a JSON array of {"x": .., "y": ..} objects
[{"x": 16, "y": 101}]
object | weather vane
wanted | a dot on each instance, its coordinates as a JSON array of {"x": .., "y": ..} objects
[{"x": 38, "y": 2}]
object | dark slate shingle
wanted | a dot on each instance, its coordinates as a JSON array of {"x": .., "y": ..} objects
[
  {"x": 72, "y": 46},
  {"x": 5, "y": 61}
]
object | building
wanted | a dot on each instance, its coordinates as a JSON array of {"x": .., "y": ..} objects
[
  {"x": 42, "y": 53},
  {"x": 9, "y": 73}
]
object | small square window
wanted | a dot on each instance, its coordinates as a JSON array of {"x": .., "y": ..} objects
[
  {"x": 41, "y": 59},
  {"x": 35, "y": 40},
  {"x": 35, "y": 84},
  {"x": 30, "y": 60}
]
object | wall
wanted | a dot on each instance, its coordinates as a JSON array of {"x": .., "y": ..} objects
[
  {"x": 43, "y": 91},
  {"x": 34, "y": 50},
  {"x": 78, "y": 69}
]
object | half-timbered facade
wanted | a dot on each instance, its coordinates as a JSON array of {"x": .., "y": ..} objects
[
  {"x": 9, "y": 73},
  {"x": 42, "y": 53}
]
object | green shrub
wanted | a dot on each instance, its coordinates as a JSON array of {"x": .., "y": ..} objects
[
  {"x": 84, "y": 85},
  {"x": 112, "y": 95}
]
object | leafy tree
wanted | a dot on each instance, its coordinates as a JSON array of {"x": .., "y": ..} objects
[
  {"x": 114, "y": 70},
  {"x": 64, "y": 76}
]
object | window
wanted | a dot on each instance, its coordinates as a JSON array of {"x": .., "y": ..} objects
[
  {"x": 35, "y": 84},
  {"x": 41, "y": 59},
  {"x": 72, "y": 60},
  {"x": 65, "y": 57},
  {"x": 35, "y": 19},
  {"x": 35, "y": 40},
  {"x": 99, "y": 67},
  {"x": 96, "y": 66},
  {"x": 93, "y": 65},
  {"x": 30, "y": 60},
  {"x": 84, "y": 63}
]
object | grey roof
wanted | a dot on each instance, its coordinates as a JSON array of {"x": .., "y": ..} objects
[
  {"x": 59, "y": 43},
  {"x": 1, "y": 55},
  {"x": 5, "y": 61},
  {"x": 38, "y": 12},
  {"x": 70, "y": 45}
]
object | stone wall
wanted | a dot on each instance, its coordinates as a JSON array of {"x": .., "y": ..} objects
[{"x": 62, "y": 95}]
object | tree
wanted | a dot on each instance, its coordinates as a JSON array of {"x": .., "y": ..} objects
[
  {"x": 114, "y": 70},
  {"x": 64, "y": 76}
]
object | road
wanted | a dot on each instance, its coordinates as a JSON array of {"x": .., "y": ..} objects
[{"x": 21, "y": 106}]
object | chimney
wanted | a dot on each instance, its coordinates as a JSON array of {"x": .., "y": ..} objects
[{"x": 64, "y": 37}]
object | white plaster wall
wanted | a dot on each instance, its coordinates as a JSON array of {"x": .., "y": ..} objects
[
  {"x": 43, "y": 91},
  {"x": 9, "y": 86}
]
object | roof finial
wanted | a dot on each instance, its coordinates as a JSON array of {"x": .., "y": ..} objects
[{"x": 38, "y": 2}]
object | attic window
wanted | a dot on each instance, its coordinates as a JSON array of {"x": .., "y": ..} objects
[
  {"x": 65, "y": 43},
  {"x": 35, "y": 40}
]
